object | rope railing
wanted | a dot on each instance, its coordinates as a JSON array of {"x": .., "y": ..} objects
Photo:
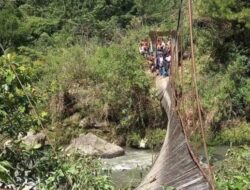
[{"x": 177, "y": 82}]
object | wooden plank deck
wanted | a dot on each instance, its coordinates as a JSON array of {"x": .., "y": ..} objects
[{"x": 176, "y": 165}]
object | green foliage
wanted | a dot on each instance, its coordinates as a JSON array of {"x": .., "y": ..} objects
[
  {"x": 11, "y": 30},
  {"x": 237, "y": 133},
  {"x": 15, "y": 109},
  {"x": 27, "y": 20},
  {"x": 233, "y": 10},
  {"x": 155, "y": 138},
  {"x": 157, "y": 11},
  {"x": 38, "y": 26},
  {"x": 51, "y": 171},
  {"x": 58, "y": 62},
  {"x": 107, "y": 83},
  {"x": 25, "y": 163},
  {"x": 224, "y": 86},
  {"x": 124, "y": 84},
  {"x": 223, "y": 59},
  {"x": 77, "y": 173},
  {"x": 5, "y": 171},
  {"x": 234, "y": 172},
  {"x": 134, "y": 139}
]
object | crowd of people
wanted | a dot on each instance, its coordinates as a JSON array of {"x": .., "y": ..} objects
[{"x": 158, "y": 55}]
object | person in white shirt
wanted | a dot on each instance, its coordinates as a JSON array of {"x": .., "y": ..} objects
[{"x": 168, "y": 58}]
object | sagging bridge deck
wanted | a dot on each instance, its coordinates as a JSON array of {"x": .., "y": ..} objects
[{"x": 176, "y": 165}]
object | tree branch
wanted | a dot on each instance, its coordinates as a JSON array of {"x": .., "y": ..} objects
[{"x": 2, "y": 48}]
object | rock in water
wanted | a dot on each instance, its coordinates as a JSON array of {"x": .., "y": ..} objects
[
  {"x": 143, "y": 143},
  {"x": 90, "y": 144}
]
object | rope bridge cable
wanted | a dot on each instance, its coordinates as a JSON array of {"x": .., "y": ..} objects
[
  {"x": 196, "y": 91},
  {"x": 194, "y": 79},
  {"x": 194, "y": 82}
]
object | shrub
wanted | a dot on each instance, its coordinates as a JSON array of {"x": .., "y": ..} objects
[
  {"x": 234, "y": 172},
  {"x": 237, "y": 133},
  {"x": 5, "y": 172},
  {"x": 155, "y": 137},
  {"x": 107, "y": 83},
  {"x": 134, "y": 139},
  {"x": 49, "y": 170},
  {"x": 77, "y": 173},
  {"x": 16, "y": 113}
]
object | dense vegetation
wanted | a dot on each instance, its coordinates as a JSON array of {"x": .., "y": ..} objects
[
  {"x": 234, "y": 171},
  {"x": 224, "y": 59},
  {"x": 69, "y": 62},
  {"x": 222, "y": 32}
]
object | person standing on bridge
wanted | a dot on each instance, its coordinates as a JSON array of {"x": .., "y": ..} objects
[
  {"x": 162, "y": 70},
  {"x": 168, "y": 62}
]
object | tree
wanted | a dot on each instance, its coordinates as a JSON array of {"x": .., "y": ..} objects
[{"x": 11, "y": 31}]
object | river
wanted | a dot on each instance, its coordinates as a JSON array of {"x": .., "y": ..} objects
[{"x": 127, "y": 171}]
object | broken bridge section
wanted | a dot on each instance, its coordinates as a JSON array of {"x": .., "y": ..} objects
[{"x": 176, "y": 165}]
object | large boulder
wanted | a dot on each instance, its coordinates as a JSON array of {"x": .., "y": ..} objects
[{"x": 90, "y": 144}]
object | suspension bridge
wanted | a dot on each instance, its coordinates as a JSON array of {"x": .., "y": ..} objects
[{"x": 176, "y": 165}]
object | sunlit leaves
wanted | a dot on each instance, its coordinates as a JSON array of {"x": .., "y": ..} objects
[{"x": 16, "y": 73}]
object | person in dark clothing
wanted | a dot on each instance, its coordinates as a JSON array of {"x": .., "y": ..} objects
[{"x": 167, "y": 65}]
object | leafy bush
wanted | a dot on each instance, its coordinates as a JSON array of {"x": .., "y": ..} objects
[
  {"x": 237, "y": 133},
  {"x": 5, "y": 172},
  {"x": 155, "y": 137},
  {"x": 11, "y": 31},
  {"x": 225, "y": 91},
  {"x": 106, "y": 83},
  {"x": 47, "y": 170},
  {"x": 15, "y": 109},
  {"x": 223, "y": 60},
  {"x": 234, "y": 172},
  {"x": 124, "y": 84},
  {"x": 134, "y": 139},
  {"x": 77, "y": 173}
]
